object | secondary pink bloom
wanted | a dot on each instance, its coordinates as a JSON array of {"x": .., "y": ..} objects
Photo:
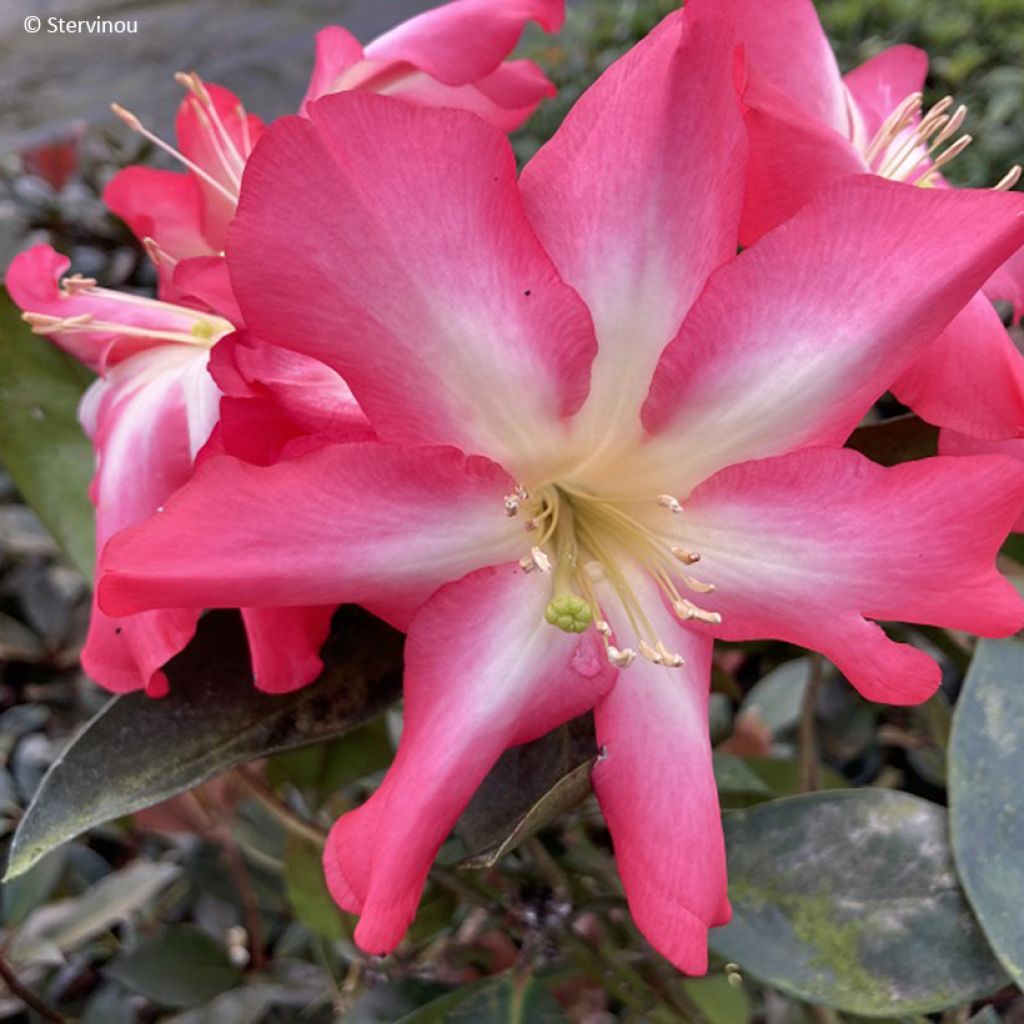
[
  {"x": 149, "y": 415},
  {"x": 451, "y": 56},
  {"x": 809, "y": 127},
  {"x": 603, "y": 439}
]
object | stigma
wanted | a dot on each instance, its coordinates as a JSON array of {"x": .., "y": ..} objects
[
  {"x": 913, "y": 145},
  {"x": 592, "y": 549}
]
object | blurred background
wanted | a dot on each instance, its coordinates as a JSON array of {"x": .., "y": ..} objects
[{"x": 109, "y": 937}]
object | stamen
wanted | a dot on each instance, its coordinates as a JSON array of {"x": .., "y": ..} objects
[
  {"x": 672, "y": 504},
  {"x": 697, "y": 586},
  {"x": 687, "y": 610},
  {"x": 136, "y": 125},
  {"x": 899, "y": 119},
  {"x": 621, "y": 658},
  {"x": 231, "y": 159},
  {"x": 686, "y": 557},
  {"x": 1009, "y": 179},
  {"x": 76, "y": 284},
  {"x": 158, "y": 257}
]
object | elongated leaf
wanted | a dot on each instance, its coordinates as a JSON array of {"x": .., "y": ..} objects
[
  {"x": 986, "y": 765},
  {"x": 41, "y": 443},
  {"x": 63, "y": 926},
  {"x": 137, "y": 751},
  {"x": 526, "y": 789},
  {"x": 504, "y": 1000},
  {"x": 182, "y": 966},
  {"x": 849, "y": 898}
]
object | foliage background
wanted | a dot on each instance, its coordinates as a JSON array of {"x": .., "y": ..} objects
[{"x": 154, "y": 917}]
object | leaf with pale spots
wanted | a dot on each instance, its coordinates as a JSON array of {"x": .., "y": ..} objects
[
  {"x": 850, "y": 899},
  {"x": 986, "y": 764}
]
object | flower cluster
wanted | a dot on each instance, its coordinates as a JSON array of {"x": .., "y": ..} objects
[{"x": 564, "y": 428}]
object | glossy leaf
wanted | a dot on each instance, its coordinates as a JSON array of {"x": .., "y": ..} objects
[
  {"x": 41, "y": 443},
  {"x": 505, "y": 1000},
  {"x": 529, "y": 787},
  {"x": 308, "y": 893},
  {"x": 138, "y": 751},
  {"x": 850, "y": 899},
  {"x": 986, "y": 765},
  {"x": 181, "y": 966}
]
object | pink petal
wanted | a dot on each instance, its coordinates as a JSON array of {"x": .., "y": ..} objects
[
  {"x": 879, "y": 85},
  {"x": 807, "y": 547},
  {"x": 792, "y": 156},
  {"x": 657, "y": 791},
  {"x": 206, "y": 148},
  {"x": 361, "y": 523},
  {"x": 284, "y": 644},
  {"x": 971, "y": 378},
  {"x": 605, "y": 197},
  {"x": 337, "y": 50},
  {"x": 1007, "y": 284},
  {"x": 484, "y": 672},
  {"x": 404, "y": 260},
  {"x": 792, "y": 342},
  {"x": 785, "y": 42},
  {"x": 462, "y": 42},
  {"x": 203, "y": 283},
  {"x": 164, "y": 206},
  {"x": 952, "y": 443}
]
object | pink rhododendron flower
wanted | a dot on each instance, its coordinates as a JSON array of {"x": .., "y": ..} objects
[
  {"x": 149, "y": 415},
  {"x": 452, "y": 56},
  {"x": 809, "y": 127},
  {"x": 602, "y": 440}
]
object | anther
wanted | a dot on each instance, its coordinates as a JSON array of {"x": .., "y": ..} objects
[
  {"x": 687, "y": 610},
  {"x": 697, "y": 586},
  {"x": 686, "y": 557},
  {"x": 621, "y": 659},
  {"x": 158, "y": 257},
  {"x": 650, "y": 653},
  {"x": 511, "y": 505},
  {"x": 669, "y": 658},
  {"x": 75, "y": 284},
  {"x": 603, "y": 628},
  {"x": 672, "y": 504}
]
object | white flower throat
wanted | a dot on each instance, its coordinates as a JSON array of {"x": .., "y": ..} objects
[{"x": 589, "y": 545}]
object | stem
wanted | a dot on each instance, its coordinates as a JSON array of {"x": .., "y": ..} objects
[
  {"x": 27, "y": 996},
  {"x": 292, "y": 821},
  {"x": 810, "y": 765}
]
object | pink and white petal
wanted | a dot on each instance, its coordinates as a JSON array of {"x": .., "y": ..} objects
[
  {"x": 971, "y": 378},
  {"x": 162, "y": 205},
  {"x": 880, "y": 84},
  {"x": 463, "y": 41},
  {"x": 605, "y": 197},
  {"x": 655, "y": 780},
  {"x": 791, "y": 343},
  {"x": 785, "y": 42},
  {"x": 806, "y": 547},
  {"x": 791, "y": 157},
  {"x": 952, "y": 443},
  {"x": 449, "y": 322},
  {"x": 361, "y": 523},
  {"x": 337, "y": 51},
  {"x": 220, "y": 153},
  {"x": 484, "y": 672},
  {"x": 284, "y": 644}
]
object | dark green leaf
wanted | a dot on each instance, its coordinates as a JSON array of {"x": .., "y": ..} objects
[
  {"x": 308, "y": 893},
  {"x": 986, "y": 765},
  {"x": 504, "y": 1000},
  {"x": 22, "y": 895},
  {"x": 900, "y": 439},
  {"x": 182, "y": 966},
  {"x": 526, "y": 789},
  {"x": 41, "y": 442},
  {"x": 138, "y": 751},
  {"x": 718, "y": 1001},
  {"x": 850, "y": 899}
]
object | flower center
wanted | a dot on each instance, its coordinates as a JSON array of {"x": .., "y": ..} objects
[
  {"x": 184, "y": 326},
  {"x": 914, "y": 147},
  {"x": 588, "y": 546}
]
